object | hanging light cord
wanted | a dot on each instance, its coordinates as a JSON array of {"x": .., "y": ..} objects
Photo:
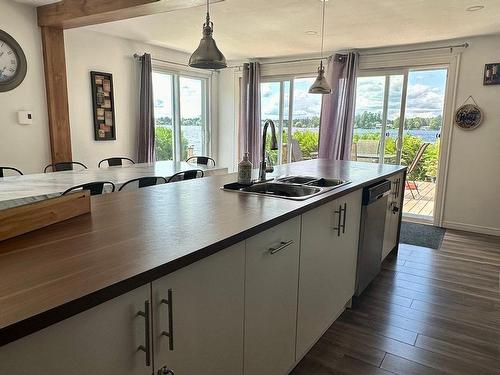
[
  {"x": 208, "y": 13},
  {"x": 323, "y": 27}
]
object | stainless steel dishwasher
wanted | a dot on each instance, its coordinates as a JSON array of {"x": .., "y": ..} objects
[{"x": 371, "y": 237}]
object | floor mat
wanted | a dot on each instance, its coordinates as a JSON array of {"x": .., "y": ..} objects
[{"x": 421, "y": 235}]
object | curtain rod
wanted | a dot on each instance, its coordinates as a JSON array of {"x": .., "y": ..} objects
[
  {"x": 287, "y": 61},
  {"x": 463, "y": 45},
  {"x": 137, "y": 56}
]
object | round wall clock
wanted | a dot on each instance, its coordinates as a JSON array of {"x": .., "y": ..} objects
[
  {"x": 468, "y": 116},
  {"x": 13, "y": 65}
]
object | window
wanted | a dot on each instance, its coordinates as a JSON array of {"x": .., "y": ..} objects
[
  {"x": 287, "y": 102},
  {"x": 181, "y": 116}
]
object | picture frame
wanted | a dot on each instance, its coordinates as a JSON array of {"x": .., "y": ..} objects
[
  {"x": 103, "y": 106},
  {"x": 491, "y": 74}
]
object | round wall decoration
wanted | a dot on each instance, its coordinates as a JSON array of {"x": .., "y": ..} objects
[
  {"x": 469, "y": 116},
  {"x": 13, "y": 65}
]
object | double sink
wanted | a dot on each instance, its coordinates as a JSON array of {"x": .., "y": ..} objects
[{"x": 290, "y": 187}]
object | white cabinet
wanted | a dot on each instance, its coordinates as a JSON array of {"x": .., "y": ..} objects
[
  {"x": 271, "y": 283},
  {"x": 328, "y": 256},
  {"x": 393, "y": 214},
  {"x": 198, "y": 316},
  {"x": 101, "y": 341}
]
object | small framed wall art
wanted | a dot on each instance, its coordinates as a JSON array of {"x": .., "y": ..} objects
[
  {"x": 104, "y": 106},
  {"x": 492, "y": 74}
]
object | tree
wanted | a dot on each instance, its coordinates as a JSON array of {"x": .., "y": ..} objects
[
  {"x": 435, "y": 123},
  {"x": 368, "y": 120}
]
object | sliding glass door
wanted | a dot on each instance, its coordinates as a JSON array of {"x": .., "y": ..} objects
[
  {"x": 398, "y": 119},
  {"x": 377, "y": 130},
  {"x": 295, "y": 113},
  {"x": 181, "y": 116}
]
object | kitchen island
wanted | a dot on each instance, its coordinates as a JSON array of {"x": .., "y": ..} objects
[{"x": 174, "y": 264}]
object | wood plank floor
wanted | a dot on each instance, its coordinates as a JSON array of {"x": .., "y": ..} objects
[
  {"x": 421, "y": 202},
  {"x": 428, "y": 312}
]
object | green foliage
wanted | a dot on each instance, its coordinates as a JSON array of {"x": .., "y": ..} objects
[
  {"x": 163, "y": 144},
  {"x": 428, "y": 165},
  {"x": 371, "y": 120},
  {"x": 167, "y": 121},
  {"x": 308, "y": 142},
  {"x": 368, "y": 120}
]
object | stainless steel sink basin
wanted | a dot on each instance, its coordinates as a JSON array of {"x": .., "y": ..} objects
[
  {"x": 290, "y": 187},
  {"x": 313, "y": 181},
  {"x": 283, "y": 189}
]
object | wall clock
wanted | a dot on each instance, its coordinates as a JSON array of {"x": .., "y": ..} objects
[{"x": 13, "y": 65}]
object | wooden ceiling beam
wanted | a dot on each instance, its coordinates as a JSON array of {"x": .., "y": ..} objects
[{"x": 68, "y": 14}]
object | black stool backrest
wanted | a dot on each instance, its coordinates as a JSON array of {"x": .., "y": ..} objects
[
  {"x": 63, "y": 166},
  {"x": 143, "y": 182},
  {"x": 186, "y": 175},
  {"x": 2, "y": 169},
  {"x": 203, "y": 160},
  {"x": 115, "y": 162},
  {"x": 95, "y": 188}
]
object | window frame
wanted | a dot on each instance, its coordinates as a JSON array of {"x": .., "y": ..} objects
[
  {"x": 206, "y": 115},
  {"x": 281, "y": 78}
]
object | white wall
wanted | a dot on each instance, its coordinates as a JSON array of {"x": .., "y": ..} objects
[
  {"x": 26, "y": 147},
  {"x": 473, "y": 186},
  {"x": 87, "y": 51}
]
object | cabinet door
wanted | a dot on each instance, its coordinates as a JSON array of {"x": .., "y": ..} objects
[
  {"x": 198, "y": 316},
  {"x": 328, "y": 258},
  {"x": 271, "y": 283},
  {"x": 101, "y": 341},
  {"x": 316, "y": 276},
  {"x": 346, "y": 252},
  {"x": 392, "y": 214}
]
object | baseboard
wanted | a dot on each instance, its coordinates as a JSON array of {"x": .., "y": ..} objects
[{"x": 471, "y": 228}]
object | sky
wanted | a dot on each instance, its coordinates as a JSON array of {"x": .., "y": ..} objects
[
  {"x": 304, "y": 104},
  {"x": 425, "y": 96},
  {"x": 190, "y": 92}
]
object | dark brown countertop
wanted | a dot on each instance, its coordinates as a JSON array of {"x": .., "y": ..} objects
[{"x": 132, "y": 238}]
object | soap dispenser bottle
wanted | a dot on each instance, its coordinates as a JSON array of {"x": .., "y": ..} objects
[{"x": 245, "y": 170}]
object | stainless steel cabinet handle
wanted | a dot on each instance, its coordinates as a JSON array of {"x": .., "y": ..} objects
[
  {"x": 343, "y": 220},
  {"x": 170, "y": 334},
  {"x": 146, "y": 348},
  {"x": 283, "y": 244},
  {"x": 339, "y": 226},
  {"x": 165, "y": 371}
]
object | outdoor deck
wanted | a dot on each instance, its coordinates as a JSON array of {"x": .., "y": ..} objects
[{"x": 423, "y": 203}]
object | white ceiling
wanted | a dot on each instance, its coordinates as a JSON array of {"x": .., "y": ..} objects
[{"x": 270, "y": 28}]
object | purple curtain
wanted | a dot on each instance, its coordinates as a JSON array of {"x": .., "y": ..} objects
[
  {"x": 249, "y": 134},
  {"x": 146, "y": 146},
  {"x": 337, "y": 109}
]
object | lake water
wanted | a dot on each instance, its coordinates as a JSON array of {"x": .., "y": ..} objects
[{"x": 427, "y": 135}]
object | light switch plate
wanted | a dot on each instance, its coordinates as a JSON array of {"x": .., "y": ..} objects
[{"x": 25, "y": 117}]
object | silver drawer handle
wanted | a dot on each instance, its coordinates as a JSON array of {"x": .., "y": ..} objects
[{"x": 283, "y": 244}]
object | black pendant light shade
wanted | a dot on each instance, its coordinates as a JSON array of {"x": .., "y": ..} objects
[
  {"x": 320, "y": 85},
  {"x": 207, "y": 55}
]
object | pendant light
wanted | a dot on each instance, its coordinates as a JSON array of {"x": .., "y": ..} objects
[
  {"x": 207, "y": 55},
  {"x": 320, "y": 85}
]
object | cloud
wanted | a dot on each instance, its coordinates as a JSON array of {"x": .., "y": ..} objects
[
  {"x": 425, "y": 95},
  {"x": 304, "y": 104}
]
